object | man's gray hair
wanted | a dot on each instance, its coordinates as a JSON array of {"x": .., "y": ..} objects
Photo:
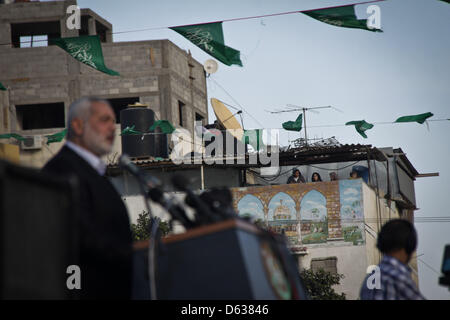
[{"x": 81, "y": 109}]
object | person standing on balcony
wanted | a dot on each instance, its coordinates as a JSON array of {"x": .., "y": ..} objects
[{"x": 296, "y": 177}]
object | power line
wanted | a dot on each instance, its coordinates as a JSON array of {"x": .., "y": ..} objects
[
  {"x": 430, "y": 267},
  {"x": 259, "y": 123}
]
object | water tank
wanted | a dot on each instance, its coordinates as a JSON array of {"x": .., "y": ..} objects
[
  {"x": 142, "y": 118},
  {"x": 161, "y": 144}
]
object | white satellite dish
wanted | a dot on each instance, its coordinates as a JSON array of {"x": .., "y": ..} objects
[{"x": 210, "y": 66}]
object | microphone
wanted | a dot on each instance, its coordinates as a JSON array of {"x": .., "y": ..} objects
[
  {"x": 204, "y": 214},
  {"x": 176, "y": 211},
  {"x": 146, "y": 179},
  {"x": 220, "y": 201}
]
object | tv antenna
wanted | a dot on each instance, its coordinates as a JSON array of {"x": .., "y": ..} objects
[{"x": 292, "y": 108}]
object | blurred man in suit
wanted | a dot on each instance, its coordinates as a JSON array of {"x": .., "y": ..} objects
[{"x": 105, "y": 236}]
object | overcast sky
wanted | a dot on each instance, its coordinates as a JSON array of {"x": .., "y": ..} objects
[{"x": 294, "y": 59}]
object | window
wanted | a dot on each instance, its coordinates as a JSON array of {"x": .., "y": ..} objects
[
  {"x": 33, "y": 41},
  {"x": 328, "y": 264},
  {"x": 180, "y": 112},
  {"x": 34, "y": 34},
  {"x": 40, "y": 116},
  {"x": 119, "y": 104},
  {"x": 199, "y": 118}
]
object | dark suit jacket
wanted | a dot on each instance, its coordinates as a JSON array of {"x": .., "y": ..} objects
[{"x": 105, "y": 235}]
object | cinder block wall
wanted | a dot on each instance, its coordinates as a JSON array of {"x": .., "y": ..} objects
[{"x": 156, "y": 71}]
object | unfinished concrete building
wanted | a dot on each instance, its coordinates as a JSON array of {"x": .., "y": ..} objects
[{"x": 43, "y": 80}]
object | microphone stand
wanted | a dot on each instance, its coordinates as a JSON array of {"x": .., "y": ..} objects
[{"x": 154, "y": 224}]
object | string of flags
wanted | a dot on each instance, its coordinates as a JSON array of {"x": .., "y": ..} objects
[
  {"x": 252, "y": 136},
  {"x": 207, "y": 36},
  {"x": 361, "y": 126},
  {"x": 56, "y": 137}
]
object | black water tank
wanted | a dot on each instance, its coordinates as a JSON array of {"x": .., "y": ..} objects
[
  {"x": 142, "y": 119},
  {"x": 161, "y": 144}
]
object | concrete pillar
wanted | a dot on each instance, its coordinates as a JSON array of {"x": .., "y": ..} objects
[
  {"x": 66, "y": 32},
  {"x": 5, "y": 35},
  {"x": 91, "y": 26}
]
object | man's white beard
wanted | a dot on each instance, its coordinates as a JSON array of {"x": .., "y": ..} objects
[{"x": 96, "y": 143}]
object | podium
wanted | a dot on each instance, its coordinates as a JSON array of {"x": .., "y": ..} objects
[
  {"x": 38, "y": 234},
  {"x": 231, "y": 260}
]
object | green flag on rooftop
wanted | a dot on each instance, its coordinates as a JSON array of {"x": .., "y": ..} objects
[
  {"x": 2, "y": 87},
  {"x": 419, "y": 118},
  {"x": 294, "y": 125},
  {"x": 341, "y": 17},
  {"x": 164, "y": 125},
  {"x": 56, "y": 137},
  {"x": 254, "y": 138},
  {"x": 86, "y": 49},
  {"x": 209, "y": 38},
  {"x": 361, "y": 126}
]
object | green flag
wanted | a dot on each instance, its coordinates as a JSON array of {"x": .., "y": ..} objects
[
  {"x": 164, "y": 125},
  {"x": 419, "y": 118},
  {"x": 361, "y": 126},
  {"x": 12, "y": 135},
  {"x": 209, "y": 38},
  {"x": 129, "y": 130},
  {"x": 294, "y": 125},
  {"x": 56, "y": 137},
  {"x": 86, "y": 49},
  {"x": 2, "y": 87},
  {"x": 340, "y": 17},
  {"x": 254, "y": 138},
  {"x": 448, "y": 1}
]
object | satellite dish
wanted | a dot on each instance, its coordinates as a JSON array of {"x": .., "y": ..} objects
[
  {"x": 226, "y": 119},
  {"x": 210, "y": 66}
]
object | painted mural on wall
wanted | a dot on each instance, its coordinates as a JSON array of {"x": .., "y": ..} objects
[
  {"x": 251, "y": 206},
  {"x": 313, "y": 217},
  {"x": 282, "y": 216},
  {"x": 352, "y": 215},
  {"x": 307, "y": 213}
]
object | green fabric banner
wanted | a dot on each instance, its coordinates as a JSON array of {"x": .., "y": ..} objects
[
  {"x": 56, "y": 137},
  {"x": 360, "y": 126},
  {"x": 2, "y": 87},
  {"x": 341, "y": 17},
  {"x": 419, "y": 118},
  {"x": 130, "y": 130},
  {"x": 254, "y": 138},
  {"x": 209, "y": 38},
  {"x": 86, "y": 49},
  {"x": 12, "y": 135},
  {"x": 294, "y": 125},
  {"x": 164, "y": 125}
]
